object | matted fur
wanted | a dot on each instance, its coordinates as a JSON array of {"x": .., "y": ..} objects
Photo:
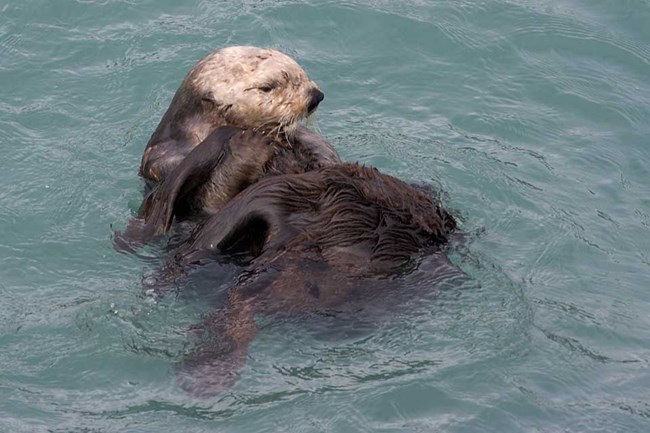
[{"x": 348, "y": 207}]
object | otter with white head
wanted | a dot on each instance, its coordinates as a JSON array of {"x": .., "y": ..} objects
[
  {"x": 247, "y": 87},
  {"x": 196, "y": 157}
]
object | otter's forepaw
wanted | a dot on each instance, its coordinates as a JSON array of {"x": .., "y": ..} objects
[{"x": 128, "y": 241}]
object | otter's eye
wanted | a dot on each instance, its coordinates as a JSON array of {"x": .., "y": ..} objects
[
  {"x": 209, "y": 97},
  {"x": 265, "y": 89}
]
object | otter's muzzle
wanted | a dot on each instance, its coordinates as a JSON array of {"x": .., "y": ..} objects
[{"x": 316, "y": 97}]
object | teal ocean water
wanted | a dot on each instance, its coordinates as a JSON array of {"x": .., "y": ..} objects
[{"x": 532, "y": 116}]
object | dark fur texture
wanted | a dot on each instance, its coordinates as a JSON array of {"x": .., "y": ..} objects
[{"x": 348, "y": 210}]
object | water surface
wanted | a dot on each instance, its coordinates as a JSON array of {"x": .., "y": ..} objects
[{"x": 532, "y": 116}]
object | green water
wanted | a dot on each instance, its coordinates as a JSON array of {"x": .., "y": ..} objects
[{"x": 532, "y": 116}]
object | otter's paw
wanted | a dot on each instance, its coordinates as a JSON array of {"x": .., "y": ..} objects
[{"x": 131, "y": 239}]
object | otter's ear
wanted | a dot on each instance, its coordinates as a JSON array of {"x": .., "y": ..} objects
[{"x": 209, "y": 97}]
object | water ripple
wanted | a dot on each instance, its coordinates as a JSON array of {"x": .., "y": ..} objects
[{"x": 528, "y": 117}]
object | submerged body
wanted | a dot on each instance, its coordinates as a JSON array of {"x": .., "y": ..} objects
[{"x": 314, "y": 241}]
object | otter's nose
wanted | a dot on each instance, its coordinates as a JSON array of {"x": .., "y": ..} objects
[{"x": 316, "y": 97}]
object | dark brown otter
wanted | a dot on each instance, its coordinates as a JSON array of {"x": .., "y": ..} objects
[{"x": 314, "y": 241}]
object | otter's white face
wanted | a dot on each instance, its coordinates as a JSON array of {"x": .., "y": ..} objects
[{"x": 249, "y": 87}]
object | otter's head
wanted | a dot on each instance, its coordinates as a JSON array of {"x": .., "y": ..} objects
[{"x": 252, "y": 88}]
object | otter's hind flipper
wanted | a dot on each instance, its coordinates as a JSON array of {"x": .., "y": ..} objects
[
  {"x": 227, "y": 161},
  {"x": 220, "y": 352}
]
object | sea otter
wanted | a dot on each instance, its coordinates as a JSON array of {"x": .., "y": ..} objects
[
  {"x": 313, "y": 240},
  {"x": 260, "y": 90},
  {"x": 247, "y": 87}
]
